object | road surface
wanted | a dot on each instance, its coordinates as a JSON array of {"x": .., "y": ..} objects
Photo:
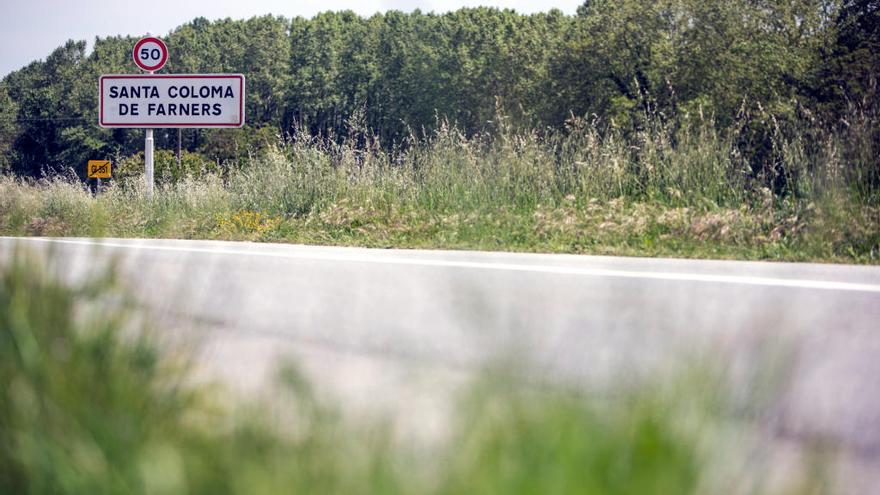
[{"x": 395, "y": 330}]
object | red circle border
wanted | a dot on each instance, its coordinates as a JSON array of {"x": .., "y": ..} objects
[{"x": 161, "y": 62}]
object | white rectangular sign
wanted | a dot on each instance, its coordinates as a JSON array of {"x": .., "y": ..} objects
[{"x": 171, "y": 100}]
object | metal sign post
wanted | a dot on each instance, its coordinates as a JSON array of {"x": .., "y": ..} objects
[
  {"x": 148, "y": 163},
  {"x": 150, "y": 54},
  {"x": 98, "y": 169}
]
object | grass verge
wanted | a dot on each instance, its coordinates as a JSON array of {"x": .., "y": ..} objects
[{"x": 576, "y": 192}]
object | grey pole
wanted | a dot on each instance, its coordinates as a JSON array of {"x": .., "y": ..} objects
[
  {"x": 148, "y": 156},
  {"x": 148, "y": 162}
]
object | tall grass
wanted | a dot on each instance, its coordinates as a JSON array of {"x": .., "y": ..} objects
[
  {"x": 93, "y": 403},
  {"x": 355, "y": 191}
]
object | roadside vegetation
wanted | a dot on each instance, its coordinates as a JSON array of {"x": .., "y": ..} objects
[
  {"x": 699, "y": 128},
  {"x": 666, "y": 191},
  {"x": 94, "y": 402}
]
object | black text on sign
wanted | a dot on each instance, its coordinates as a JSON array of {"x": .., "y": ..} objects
[{"x": 171, "y": 100}]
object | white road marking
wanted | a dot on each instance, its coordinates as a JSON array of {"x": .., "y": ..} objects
[{"x": 551, "y": 269}]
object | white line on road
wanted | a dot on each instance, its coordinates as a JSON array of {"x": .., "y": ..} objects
[{"x": 477, "y": 265}]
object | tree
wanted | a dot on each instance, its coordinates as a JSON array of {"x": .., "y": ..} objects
[
  {"x": 628, "y": 56},
  {"x": 8, "y": 128},
  {"x": 49, "y": 103},
  {"x": 855, "y": 56},
  {"x": 620, "y": 60},
  {"x": 331, "y": 70}
]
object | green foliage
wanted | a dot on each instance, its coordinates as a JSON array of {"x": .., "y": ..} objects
[
  {"x": 94, "y": 402},
  {"x": 855, "y": 53},
  {"x": 507, "y": 447},
  {"x": 666, "y": 190},
  {"x": 626, "y": 63},
  {"x": 235, "y": 145},
  {"x": 8, "y": 129},
  {"x": 668, "y": 55},
  {"x": 82, "y": 404},
  {"x": 165, "y": 167},
  {"x": 92, "y": 405}
]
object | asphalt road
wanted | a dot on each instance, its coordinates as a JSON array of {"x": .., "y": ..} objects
[{"x": 397, "y": 331}]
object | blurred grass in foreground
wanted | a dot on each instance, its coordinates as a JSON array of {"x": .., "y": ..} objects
[{"x": 91, "y": 404}]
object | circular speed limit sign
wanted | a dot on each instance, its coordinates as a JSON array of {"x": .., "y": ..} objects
[{"x": 150, "y": 54}]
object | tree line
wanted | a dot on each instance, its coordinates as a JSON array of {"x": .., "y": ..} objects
[{"x": 621, "y": 63}]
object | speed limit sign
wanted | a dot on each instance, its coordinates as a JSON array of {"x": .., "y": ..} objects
[{"x": 150, "y": 54}]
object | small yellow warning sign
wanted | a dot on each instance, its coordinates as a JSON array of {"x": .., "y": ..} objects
[{"x": 99, "y": 169}]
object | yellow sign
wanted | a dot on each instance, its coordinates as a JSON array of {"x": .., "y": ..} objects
[{"x": 99, "y": 169}]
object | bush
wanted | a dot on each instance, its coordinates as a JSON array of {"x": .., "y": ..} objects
[{"x": 165, "y": 168}]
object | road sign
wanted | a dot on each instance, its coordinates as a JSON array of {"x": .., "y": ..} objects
[
  {"x": 150, "y": 54},
  {"x": 99, "y": 169},
  {"x": 171, "y": 100}
]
